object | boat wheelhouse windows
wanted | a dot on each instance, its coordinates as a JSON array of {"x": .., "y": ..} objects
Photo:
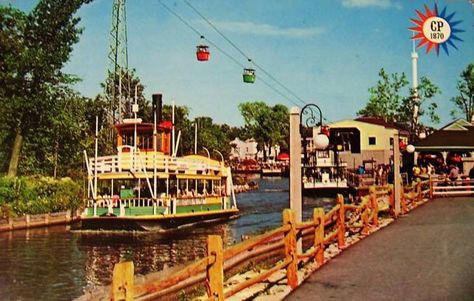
[
  {"x": 126, "y": 134},
  {"x": 348, "y": 138},
  {"x": 144, "y": 141}
]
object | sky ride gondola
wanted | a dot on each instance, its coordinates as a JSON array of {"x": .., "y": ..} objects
[
  {"x": 202, "y": 53},
  {"x": 249, "y": 75}
]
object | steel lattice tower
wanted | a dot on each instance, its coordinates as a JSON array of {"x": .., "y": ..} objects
[{"x": 118, "y": 83}]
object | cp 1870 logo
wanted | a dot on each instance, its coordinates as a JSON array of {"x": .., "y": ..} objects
[{"x": 434, "y": 29}]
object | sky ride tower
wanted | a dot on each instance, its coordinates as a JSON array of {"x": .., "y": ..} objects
[{"x": 117, "y": 86}]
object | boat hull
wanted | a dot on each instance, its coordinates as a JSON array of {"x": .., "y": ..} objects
[{"x": 162, "y": 223}]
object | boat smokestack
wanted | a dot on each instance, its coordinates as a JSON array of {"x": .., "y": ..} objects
[{"x": 157, "y": 106}]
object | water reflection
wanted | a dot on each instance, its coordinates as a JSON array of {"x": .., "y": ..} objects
[
  {"x": 149, "y": 251},
  {"x": 57, "y": 264}
]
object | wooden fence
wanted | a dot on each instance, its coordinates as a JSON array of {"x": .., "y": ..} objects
[
  {"x": 444, "y": 187},
  {"x": 322, "y": 230},
  {"x": 38, "y": 220}
]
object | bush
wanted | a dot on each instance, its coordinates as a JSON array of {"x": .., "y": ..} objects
[{"x": 36, "y": 195}]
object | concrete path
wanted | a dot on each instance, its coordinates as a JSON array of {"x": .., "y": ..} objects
[{"x": 425, "y": 255}]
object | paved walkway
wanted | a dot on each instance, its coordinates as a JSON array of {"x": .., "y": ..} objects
[{"x": 425, "y": 255}]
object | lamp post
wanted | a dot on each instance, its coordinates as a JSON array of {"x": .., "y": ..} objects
[
  {"x": 321, "y": 141},
  {"x": 296, "y": 131}
]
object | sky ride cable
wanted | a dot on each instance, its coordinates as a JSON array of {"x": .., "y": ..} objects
[
  {"x": 228, "y": 55},
  {"x": 243, "y": 53}
]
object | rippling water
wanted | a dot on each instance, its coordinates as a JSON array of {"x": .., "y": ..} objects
[{"x": 57, "y": 264}]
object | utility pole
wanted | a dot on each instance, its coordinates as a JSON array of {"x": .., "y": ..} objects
[{"x": 416, "y": 99}]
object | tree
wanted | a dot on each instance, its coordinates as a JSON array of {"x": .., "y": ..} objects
[
  {"x": 387, "y": 102},
  {"x": 268, "y": 125},
  {"x": 385, "y": 98},
  {"x": 56, "y": 149},
  {"x": 425, "y": 91},
  {"x": 465, "y": 100},
  {"x": 35, "y": 47}
]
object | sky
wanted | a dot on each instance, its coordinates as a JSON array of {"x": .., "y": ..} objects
[{"x": 326, "y": 52}]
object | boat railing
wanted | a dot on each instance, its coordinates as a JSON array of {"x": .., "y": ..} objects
[
  {"x": 106, "y": 201},
  {"x": 130, "y": 161},
  {"x": 167, "y": 204}
]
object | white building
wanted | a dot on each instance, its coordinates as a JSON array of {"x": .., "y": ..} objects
[
  {"x": 241, "y": 150},
  {"x": 247, "y": 149}
]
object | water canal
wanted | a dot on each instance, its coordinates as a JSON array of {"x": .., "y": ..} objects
[{"x": 57, "y": 264}]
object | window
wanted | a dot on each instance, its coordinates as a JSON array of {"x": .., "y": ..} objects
[{"x": 372, "y": 141}]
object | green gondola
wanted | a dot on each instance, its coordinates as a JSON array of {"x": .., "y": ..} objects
[{"x": 249, "y": 75}]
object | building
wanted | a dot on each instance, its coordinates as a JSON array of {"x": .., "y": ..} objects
[
  {"x": 451, "y": 144},
  {"x": 364, "y": 140},
  {"x": 241, "y": 150}
]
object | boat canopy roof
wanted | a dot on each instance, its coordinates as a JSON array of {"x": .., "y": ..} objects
[{"x": 164, "y": 126}]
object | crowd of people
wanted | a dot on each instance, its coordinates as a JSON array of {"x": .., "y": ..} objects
[{"x": 383, "y": 173}]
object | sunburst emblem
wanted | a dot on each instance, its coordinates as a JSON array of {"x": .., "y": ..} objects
[{"x": 434, "y": 29}]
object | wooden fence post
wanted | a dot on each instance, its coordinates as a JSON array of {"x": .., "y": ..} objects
[
  {"x": 318, "y": 217},
  {"x": 365, "y": 219},
  {"x": 122, "y": 282},
  {"x": 403, "y": 202},
  {"x": 418, "y": 191},
  {"x": 341, "y": 226},
  {"x": 215, "y": 267},
  {"x": 290, "y": 248},
  {"x": 431, "y": 187},
  {"x": 391, "y": 200},
  {"x": 375, "y": 206}
]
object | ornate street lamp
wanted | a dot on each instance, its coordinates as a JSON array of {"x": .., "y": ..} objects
[{"x": 308, "y": 119}]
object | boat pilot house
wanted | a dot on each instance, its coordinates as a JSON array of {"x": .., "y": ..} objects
[{"x": 144, "y": 136}]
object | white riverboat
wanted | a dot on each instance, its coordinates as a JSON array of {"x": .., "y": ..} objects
[{"x": 146, "y": 187}]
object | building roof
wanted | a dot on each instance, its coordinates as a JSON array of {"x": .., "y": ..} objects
[
  {"x": 457, "y": 135},
  {"x": 382, "y": 122}
]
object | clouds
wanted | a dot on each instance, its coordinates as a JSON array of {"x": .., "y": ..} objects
[
  {"x": 268, "y": 30},
  {"x": 371, "y": 3}
]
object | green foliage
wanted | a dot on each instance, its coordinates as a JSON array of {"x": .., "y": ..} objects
[
  {"x": 387, "y": 101},
  {"x": 385, "y": 98},
  {"x": 36, "y": 195},
  {"x": 426, "y": 90},
  {"x": 464, "y": 102},
  {"x": 34, "y": 49},
  {"x": 268, "y": 125}
]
